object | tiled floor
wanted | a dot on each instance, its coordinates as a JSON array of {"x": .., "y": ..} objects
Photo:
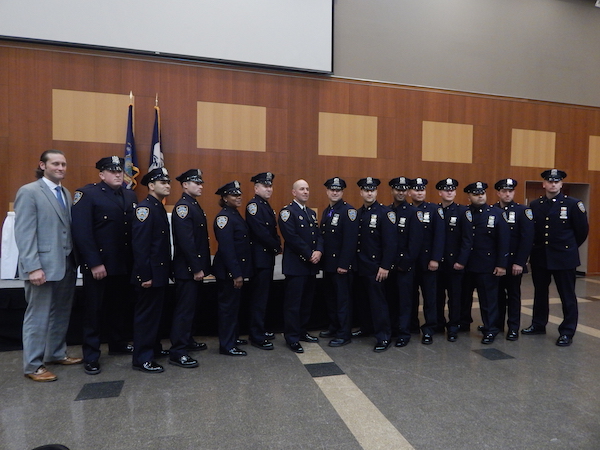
[{"x": 528, "y": 394}]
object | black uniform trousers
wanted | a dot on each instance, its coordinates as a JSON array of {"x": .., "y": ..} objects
[
  {"x": 229, "y": 299},
  {"x": 297, "y": 305},
  {"x": 106, "y": 298},
  {"x": 146, "y": 323},
  {"x": 261, "y": 287},
  {"x": 339, "y": 303},
  {"x": 380, "y": 315},
  {"x": 565, "y": 284},
  {"x": 427, "y": 281},
  {"x": 405, "y": 288},
  {"x": 487, "y": 291},
  {"x": 182, "y": 323},
  {"x": 509, "y": 300},
  {"x": 449, "y": 283}
]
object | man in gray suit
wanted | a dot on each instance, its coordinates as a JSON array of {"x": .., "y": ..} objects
[{"x": 43, "y": 236}]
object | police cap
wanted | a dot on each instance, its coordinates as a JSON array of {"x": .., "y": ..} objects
[
  {"x": 191, "y": 175},
  {"x": 505, "y": 183},
  {"x": 476, "y": 188},
  {"x": 553, "y": 175},
  {"x": 265, "y": 178},
  {"x": 158, "y": 174},
  {"x": 400, "y": 183},
  {"x": 113, "y": 163},
  {"x": 418, "y": 184},
  {"x": 335, "y": 184},
  {"x": 449, "y": 184},
  {"x": 369, "y": 183},
  {"x": 231, "y": 188}
]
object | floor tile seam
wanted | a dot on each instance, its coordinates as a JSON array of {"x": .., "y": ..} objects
[{"x": 367, "y": 422}]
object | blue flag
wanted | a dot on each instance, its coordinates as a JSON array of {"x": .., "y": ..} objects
[{"x": 131, "y": 164}]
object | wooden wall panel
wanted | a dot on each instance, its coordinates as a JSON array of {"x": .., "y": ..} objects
[
  {"x": 447, "y": 142},
  {"x": 533, "y": 148},
  {"x": 29, "y": 73},
  {"x": 347, "y": 135}
]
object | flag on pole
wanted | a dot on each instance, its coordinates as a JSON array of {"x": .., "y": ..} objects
[
  {"x": 131, "y": 170},
  {"x": 157, "y": 158}
]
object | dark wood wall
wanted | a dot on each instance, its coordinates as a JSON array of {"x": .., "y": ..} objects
[{"x": 29, "y": 72}]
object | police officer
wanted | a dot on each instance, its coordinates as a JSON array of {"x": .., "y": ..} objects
[
  {"x": 431, "y": 218},
  {"x": 102, "y": 219},
  {"x": 376, "y": 254},
  {"x": 302, "y": 252},
  {"x": 520, "y": 222},
  {"x": 399, "y": 285},
  {"x": 191, "y": 263},
  {"x": 488, "y": 256},
  {"x": 561, "y": 226},
  {"x": 232, "y": 263},
  {"x": 457, "y": 245},
  {"x": 266, "y": 244},
  {"x": 151, "y": 242},
  {"x": 340, "y": 232}
]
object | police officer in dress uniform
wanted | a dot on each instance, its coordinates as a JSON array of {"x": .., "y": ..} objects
[
  {"x": 561, "y": 226},
  {"x": 191, "y": 263},
  {"x": 488, "y": 256},
  {"x": 457, "y": 246},
  {"x": 431, "y": 217},
  {"x": 339, "y": 228},
  {"x": 266, "y": 244},
  {"x": 232, "y": 263},
  {"x": 520, "y": 221},
  {"x": 151, "y": 270},
  {"x": 302, "y": 252},
  {"x": 102, "y": 220},
  {"x": 376, "y": 254},
  {"x": 399, "y": 285}
]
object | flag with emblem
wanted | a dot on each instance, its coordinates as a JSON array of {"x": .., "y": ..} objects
[
  {"x": 131, "y": 170},
  {"x": 157, "y": 158}
]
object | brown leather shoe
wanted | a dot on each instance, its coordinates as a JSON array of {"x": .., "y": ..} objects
[
  {"x": 42, "y": 374},
  {"x": 67, "y": 361}
]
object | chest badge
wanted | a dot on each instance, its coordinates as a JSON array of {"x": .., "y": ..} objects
[
  {"x": 182, "y": 211},
  {"x": 142, "y": 213},
  {"x": 563, "y": 212}
]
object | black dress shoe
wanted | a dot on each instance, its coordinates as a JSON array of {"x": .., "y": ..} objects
[
  {"x": 452, "y": 338},
  {"x": 308, "y": 338},
  {"x": 358, "y": 333},
  {"x": 149, "y": 367},
  {"x": 381, "y": 346},
  {"x": 512, "y": 335},
  {"x": 564, "y": 341},
  {"x": 488, "y": 338},
  {"x": 241, "y": 342},
  {"x": 127, "y": 350},
  {"x": 427, "y": 339},
  {"x": 480, "y": 328},
  {"x": 339, "y": 342},
  {"x": 92, "y": 368},
  {"x": 184, "y": 361},
  {"x": 531, "y": 330},
  {"x": 161, "y": 354},
  {"x": 402, "y": 342},
  {"x": 296, "y": 347},
  {"x": 196, "y": 346},
  {"x": 264, "y": 345},
  {"x": 326, "y": 334},
  {"x": 269, "y": 336},
  {"x": 234, "y": 351}
]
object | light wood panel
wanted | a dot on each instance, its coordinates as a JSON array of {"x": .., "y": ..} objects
[
  {"x": 231, "y": 127},
  {"x": 532, "y": 148},
  {"x": 347, "y": 135},
  {"x": 447, "y": 142},
  {"x": 89, "y": 116},
  {"x": 594, "y": 153}
]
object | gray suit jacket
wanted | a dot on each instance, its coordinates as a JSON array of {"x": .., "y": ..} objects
[{"x": 42, "y": 231}]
